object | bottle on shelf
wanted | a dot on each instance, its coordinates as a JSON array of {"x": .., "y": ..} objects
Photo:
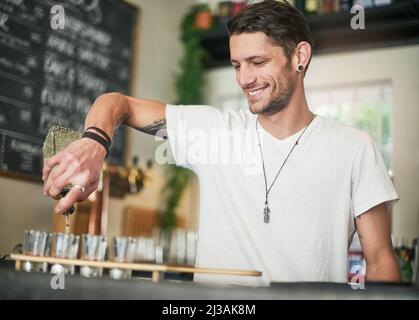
[
  {"x": 405, "y": 254},
  {"x": 365, "y": 3},
  {"x": 406, "y": 269},
  {"x": 329, "y": 6},
  {"x": 311, "y": 7},
  {"x": 345, "y": 5}
]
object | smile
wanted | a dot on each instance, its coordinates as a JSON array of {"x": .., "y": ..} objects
[{"x": 256, "y": 94}]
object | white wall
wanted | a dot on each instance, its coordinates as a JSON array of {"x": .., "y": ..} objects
[
  {"x": 22, "y": 204},
  {"x": 158, "y": 57},
  {"x": 159, "y": 53},
  {"x": 401, "y": 66}
]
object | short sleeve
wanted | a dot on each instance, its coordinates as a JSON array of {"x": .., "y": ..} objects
[
  {"x": 371, "y": 183},
  {"x": 189, "y": 127}
]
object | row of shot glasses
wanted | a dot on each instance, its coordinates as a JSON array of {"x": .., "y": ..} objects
[{"x": 176, "y": 247}]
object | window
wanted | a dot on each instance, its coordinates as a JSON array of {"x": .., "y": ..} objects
[{"x": 367, "y": 106}]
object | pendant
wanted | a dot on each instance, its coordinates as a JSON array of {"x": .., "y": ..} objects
[{"x": 266, "y": 213}]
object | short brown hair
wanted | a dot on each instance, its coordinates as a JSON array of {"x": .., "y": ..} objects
[{"x": 283, "y": 24}]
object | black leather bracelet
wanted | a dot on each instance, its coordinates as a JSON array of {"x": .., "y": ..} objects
[
  {"x": 99, "y": 139},
  {"x": 101, "y": 132}
]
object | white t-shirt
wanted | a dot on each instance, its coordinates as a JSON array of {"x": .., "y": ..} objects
[{"x": 333, "y": 175}]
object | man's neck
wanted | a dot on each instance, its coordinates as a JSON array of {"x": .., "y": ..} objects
[{"x": 289, "y": 120}]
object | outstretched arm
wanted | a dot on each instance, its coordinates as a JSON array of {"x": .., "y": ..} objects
[
  {"x": 374, "y": 233},
  {"x": 81, "y": 162},
  {"x": 112, "y": 109}
]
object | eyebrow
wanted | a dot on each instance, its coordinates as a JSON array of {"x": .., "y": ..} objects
[{"x": 250, "y": 58}]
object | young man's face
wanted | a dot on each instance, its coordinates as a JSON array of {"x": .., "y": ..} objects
[{"x": 263, "y": 72}]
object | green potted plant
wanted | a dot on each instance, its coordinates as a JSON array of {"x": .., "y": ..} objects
[
  {"x": 203, "y": 17},
  {"x": 188, "y": 84}
]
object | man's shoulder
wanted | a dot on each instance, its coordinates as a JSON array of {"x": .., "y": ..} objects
[
  {"x": 210, "y": 116},
  {"x": 340, "y": 131}
]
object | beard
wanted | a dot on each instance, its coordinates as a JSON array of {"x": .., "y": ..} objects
[{"x": 281, "y": 97}]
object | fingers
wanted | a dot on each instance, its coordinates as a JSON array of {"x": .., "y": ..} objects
[
  {"x": 54, "y": 186},
  {"x": 56, "y": 180},
  {"x": 63, "y": 168},
  {"x": 78, "y": 164},
  {"x": 74, "y": 195},
  {"x": 54, "y": 160},
  {"x": 65, "y": 203},
  {"x": 59, "y": 177}
]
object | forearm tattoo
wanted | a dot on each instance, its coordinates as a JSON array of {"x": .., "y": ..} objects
[{"x": 158, "y": 128}]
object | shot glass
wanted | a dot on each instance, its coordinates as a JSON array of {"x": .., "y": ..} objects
[
  {"x": 36, "y": 243},
  {"x": 162, "y": 242},
  {"x": 64, "y": 246},
  {"x": 177, "y": 249},
  {"x": 123, "y": 250},
  {"x": 93, "y": 249},
  {"x": 145, "y": 250},
  {"x": 191, "y": 242}
]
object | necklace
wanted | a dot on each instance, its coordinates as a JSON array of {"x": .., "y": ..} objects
[{"x": 266, "y": 210}]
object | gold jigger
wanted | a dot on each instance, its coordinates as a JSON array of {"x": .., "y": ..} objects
[{"x": 57, "y": 139}]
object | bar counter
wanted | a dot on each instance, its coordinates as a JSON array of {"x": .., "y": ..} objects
[{"x": 24, "y": 285}]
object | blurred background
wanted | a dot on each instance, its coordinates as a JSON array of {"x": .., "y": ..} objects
[{"x": 177, "y": 52}]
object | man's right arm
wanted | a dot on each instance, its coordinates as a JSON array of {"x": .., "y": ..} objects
[
  {"x": 113, "y": 109},
  {"x": 81, "y": 162}
]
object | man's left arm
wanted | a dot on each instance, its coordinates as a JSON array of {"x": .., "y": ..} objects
[{"x": 373, "y": 228}]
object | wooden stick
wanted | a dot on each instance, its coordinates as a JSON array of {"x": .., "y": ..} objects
[
  {"x": 136, "y": 266},
  {"x": 18, "y": 265},
  {"x": 155, "y": 276},
  {"x": 233, "y": 272}
]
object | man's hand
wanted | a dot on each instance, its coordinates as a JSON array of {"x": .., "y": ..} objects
[
  {"x": 373, "y": 229},
  {"x": 79, "y": 164}
]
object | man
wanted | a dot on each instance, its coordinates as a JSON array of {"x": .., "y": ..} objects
[{"x": 317, "y": 182}]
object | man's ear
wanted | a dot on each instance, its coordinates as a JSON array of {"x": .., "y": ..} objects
[{"x": 302, "y": 56}]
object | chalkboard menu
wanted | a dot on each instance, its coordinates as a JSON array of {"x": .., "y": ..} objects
[{"x": 51, "y": 76}]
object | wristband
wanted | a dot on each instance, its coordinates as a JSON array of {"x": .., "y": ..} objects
[
  {"x": 101, "y": 132},
  {"x": 99, "y": 139}
]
